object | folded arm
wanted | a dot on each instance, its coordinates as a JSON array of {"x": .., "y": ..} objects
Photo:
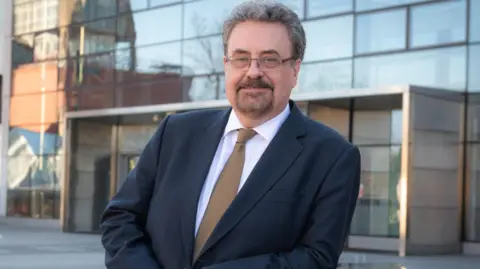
[
  {"x": 122, "y": 224},
  {"x": 328, "y": 225}
]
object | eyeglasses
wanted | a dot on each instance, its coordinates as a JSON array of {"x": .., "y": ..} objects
[{"x": 264, "y": 62}]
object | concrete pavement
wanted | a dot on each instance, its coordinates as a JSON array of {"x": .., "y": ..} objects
[{"x": 46, "y": 248}]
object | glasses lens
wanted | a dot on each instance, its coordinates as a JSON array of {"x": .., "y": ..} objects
[
  {"x": 270, "y": 61},
  {"x": 240, "y": 62}
]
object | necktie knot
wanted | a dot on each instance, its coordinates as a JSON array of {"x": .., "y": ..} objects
[{"x": 245, "y": 134}]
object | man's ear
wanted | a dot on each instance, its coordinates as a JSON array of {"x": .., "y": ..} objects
[{"x": 225, "y": 64}]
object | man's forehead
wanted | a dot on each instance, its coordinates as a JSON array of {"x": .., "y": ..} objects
[{"x": 246, "y": 51}]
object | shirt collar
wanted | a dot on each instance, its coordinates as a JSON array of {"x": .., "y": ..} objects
[{"x": 267, "y": 130}]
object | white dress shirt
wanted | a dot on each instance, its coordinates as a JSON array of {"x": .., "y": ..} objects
[{"x": 254, "y": 149}]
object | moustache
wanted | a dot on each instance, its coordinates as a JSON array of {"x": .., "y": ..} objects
[{"x": 254, "y": 83}]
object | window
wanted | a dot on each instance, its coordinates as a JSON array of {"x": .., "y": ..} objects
[
  {"x": 474, "y": 68},
  {"x": 200, "y": 22},
  {"x": 203, "y": 56},
  {"x": 474, "y": 20},
  {"x": 295, "y": 5},
  {"x": 329, "y": 38},
  {"x": 439, "y": 23},
  {"x": 325, "y": 76},
  {"x": 154, "y": 3},
  {"x": 152, "y": 26},
  {"x": 148, "y": 63},
  {"x": 327, "y": 7},
  {"x": 378, "y": 203},
  {"x": 381, "y": 31},
  {"x": 442, "y": 68},
  {"x": 362, "y": 5},
  {"x": 473, "y": 120},
  {"x": 208, "y": 87}
]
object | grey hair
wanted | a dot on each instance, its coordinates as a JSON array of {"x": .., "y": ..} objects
[{"x": 268, "y": 11}]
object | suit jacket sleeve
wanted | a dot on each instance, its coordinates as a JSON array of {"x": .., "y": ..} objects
[
  {"x": 122, "y": 225},
  {"x": 328, "y": 226}
]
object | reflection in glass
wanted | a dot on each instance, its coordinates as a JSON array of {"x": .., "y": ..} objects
[
  {"x": 438, "y": 23},
  {"x": 131, "y": 5},
  {"x": 34, "y": 108},
  {"x": 377, "y": 127},
  {"x": 93, "y": 10},
  {"x": 209, "y": 87},
  {"x": 151, "y": 26},
  {"x": 35, "y": 16},
  {"x": 473, "y": 117},
  {"x": 34, "y": 171},
  {"x": 325, "y": 76},
  {"x": 362, "y": 5},
  {"x": 329, "y": 38},
  {"x": 381, "y": 31},
  {"x": 148, "y": 63},
  {"x": 92, "y": 37},
  {"x": 474, "y": 68},
  {"x": 154, "y": 3},
  {"x": 377, "y": 208},
  {"x": 166, "y": 88},
  {"x": 205, "y": 17},
  {"x": 34, "y": 78},
  {"x": 474, "y": 20},
  {"x": 295, "y": 5},
  {"x": 203, "y": 56},
  {"x": 327, "y": 7},
  {"x": 442, "y": 68},
  {"x": 336, "y": 118},
  {"x": 472, "y": 214}
]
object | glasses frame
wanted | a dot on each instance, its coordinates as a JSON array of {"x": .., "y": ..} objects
[{"x": 261, "y": 67}]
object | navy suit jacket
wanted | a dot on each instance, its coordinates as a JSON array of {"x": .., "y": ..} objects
[{"x": 294, "y": 211}]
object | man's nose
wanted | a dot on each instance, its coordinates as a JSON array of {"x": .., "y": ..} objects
[{"x": 254, "y": 70}]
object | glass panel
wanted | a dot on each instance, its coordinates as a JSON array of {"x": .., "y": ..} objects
[
  {"x": 35, "y": 16},
  {"x": 295, "y": 5},
  {"x": 433, "y": 183},
  {"x": 381, "y": 31},
  {"x": 161, "y": 91},
  {"x": 90, "y": 98},
  {"x": 472, "y": 214},
  {"x": 362, "y": 5},
  {"x": 206, "y": 17},
  {"x": 154, "y": 3},
  {"x": 205, "y": 87},
  {"x": 38, "y": 139},
  {"x": 442, "y": 68},
  {"x": 89, "y": 174},
  {"x": 92, "y": 37},
  {"x": 34, "y": 78},
  {"x": 336, "y": 118},
  {"x": 377, "y": 208},
  {"x": 329, "y": 38},
  {"x": 439, "y": 23},
  {"x": 90, "y": 71},
  {"x": 325, "y": 76},
  {"x": 474, "y": 68},
  {"x": 377, "y": 127},
  {"x": 474, "y": 20},
  {"x": 327, "y": 7},
  {"x": 148, "y": 63},
  {"x": 473, "y": 117},
  {"x": 131, "y": 5},
  {"x": 34, "y": 108},
  {"x": 203, "y": 56},
  {"x": 136, "y": 29},
  {"x": 33, "y": 186}
]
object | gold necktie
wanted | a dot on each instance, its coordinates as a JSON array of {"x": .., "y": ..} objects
[{"x": 224, "y": 191}]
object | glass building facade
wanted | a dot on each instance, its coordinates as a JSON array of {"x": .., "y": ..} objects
[{"x": 85, "y": 57}]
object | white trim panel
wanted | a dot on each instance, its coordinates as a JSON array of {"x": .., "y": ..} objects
[
  {"x": 471, "y": 248},
  {"x": 373, "y": 243}
]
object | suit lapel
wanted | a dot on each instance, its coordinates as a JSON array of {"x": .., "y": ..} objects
[
  {"x": 282, "y": 151},
  {"x": 202, "y": 153}
]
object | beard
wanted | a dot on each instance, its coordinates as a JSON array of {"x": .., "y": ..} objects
[{"x": 256, "y": 103}]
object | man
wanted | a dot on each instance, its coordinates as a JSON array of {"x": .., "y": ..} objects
[{"x": 255, "y": 186}]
